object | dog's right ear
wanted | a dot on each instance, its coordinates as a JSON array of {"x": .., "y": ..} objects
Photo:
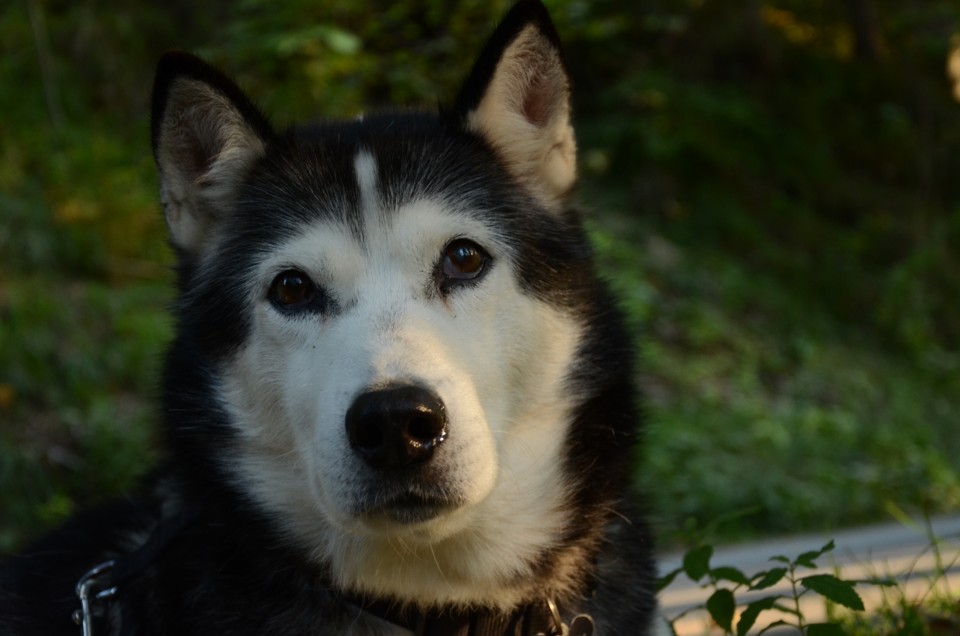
[
  {"x": 206, "y": 134},
  {"x": 517, "y": 97}
]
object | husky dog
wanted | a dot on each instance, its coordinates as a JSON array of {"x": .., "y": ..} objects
[{"x": 398, "y": 400}]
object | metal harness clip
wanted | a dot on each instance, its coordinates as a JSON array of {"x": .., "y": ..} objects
[
  {"x": 88, "y": 596},
  {"x": 581, "y": 625}
]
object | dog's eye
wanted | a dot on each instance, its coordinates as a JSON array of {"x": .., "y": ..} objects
[
  {"x": 292, "y": 289},
  {"x": 463, "y": 260}
]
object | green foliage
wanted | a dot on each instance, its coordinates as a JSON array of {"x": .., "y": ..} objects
[
  {"x": 785, "y": 237},
  {"x": 302, "y": 59},
  {"x": 736, "y": 133},
  {"x": 830, "y": 587},
  {"x": 812, "y": 423},
  {"x": 72, "y": 395},
  {"x": 696, "y": 562},
  {"x": 722, "y": 602},
  {"x": 779, "y": 210},
  {"x": 721, "y": 606}
]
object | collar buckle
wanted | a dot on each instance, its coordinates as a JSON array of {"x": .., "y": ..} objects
[
  {"x": 581, "y": 625},
  {"x": 89, "y": 596}
]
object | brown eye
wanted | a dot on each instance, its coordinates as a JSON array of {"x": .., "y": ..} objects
[
  {"x": 292, "y": 288},
  {"x": 463, "y": 260}
]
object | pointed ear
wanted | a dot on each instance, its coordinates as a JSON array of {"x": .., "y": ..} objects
[
  {"x": 518, "y": 98},
  {"x": 206, "y": 134}
]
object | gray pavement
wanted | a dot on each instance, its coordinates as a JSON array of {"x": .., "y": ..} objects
[{"x": 899, "y": 550}]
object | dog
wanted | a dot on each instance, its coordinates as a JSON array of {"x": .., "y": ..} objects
[{"x": 398, "y": 399}]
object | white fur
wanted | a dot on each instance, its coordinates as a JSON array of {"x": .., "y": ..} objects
[
  {"x": 366, "y": 169},
  {"x": 497, "y": 357}
]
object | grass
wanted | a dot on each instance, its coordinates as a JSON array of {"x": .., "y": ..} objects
[{"x": 923, "y": 603}]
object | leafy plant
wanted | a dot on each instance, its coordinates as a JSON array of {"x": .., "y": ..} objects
[{"x": 727, "y": 582}]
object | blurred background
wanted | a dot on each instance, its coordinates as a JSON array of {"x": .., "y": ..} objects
[{"x": 773, "y": 187}]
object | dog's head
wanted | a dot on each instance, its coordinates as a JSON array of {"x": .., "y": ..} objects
[{"x": 391, "y": 315}]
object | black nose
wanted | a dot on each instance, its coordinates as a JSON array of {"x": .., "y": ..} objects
[{"x": 396, "y": 427}]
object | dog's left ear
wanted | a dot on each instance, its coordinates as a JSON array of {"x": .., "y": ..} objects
[
  {"x": 206, "y": 135},
  {"x": 517, "y": 97}
]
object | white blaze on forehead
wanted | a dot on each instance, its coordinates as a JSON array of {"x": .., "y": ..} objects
[{"x": 366, "y": 168}]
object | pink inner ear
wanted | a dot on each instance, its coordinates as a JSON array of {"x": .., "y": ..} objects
[
  {"x": 545, "y": 86},
  {"x": 537, "y": 101},
  {"x": 199, "y": 157}
]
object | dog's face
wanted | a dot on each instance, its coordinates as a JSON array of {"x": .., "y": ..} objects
[
  {"x": 385, "y": 307},
  {"x": 398, "y": 386}
]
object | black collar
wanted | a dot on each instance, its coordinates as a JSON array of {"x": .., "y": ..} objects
[{"x": 541, "y": 618}]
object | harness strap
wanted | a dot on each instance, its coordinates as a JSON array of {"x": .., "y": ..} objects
[
  {"x": 130, "y": 566},
  {"x": 105, "y": 580}
]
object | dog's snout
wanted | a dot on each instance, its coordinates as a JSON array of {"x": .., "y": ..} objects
[{"x": 396, "y": 427}]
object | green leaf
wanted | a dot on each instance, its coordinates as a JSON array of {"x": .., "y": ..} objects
[
  {"x": 834, "y": 589},
  {"x": 815, "y": 554},
  {"x": 338, "y": 40},
  {"x": 807, "y": 558},
  {"x": 768, "y": 578},
  {"x": 825, "y": 629},
  {"x": 343, "y": 42},
  {"x": 721, "y": 607},
  {"x": 752, "y": 611},
  {"x": 883, "y": 581},
  {"x": 729, "y": 574},
  {"x": 664, "y": 581},
  {"x": 696, "y": 562}
]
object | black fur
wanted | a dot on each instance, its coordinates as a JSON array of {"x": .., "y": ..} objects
[{"x": 232, "y": 571}]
